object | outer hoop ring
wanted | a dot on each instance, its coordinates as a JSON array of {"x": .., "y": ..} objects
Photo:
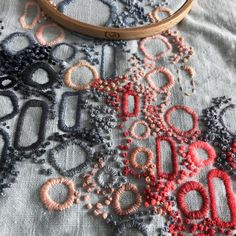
[{"x": 115, "y": 33}]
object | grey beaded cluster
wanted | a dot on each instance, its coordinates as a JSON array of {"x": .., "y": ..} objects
[
  {"x": 53, "y": 156},
  {"x": 106, "y": 177},
  {"x": 218, "y": 134},
  {"x": 138, "y": 220},
  {"x": 157, "y": 3}
]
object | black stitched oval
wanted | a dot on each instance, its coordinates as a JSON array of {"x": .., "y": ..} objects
[
  {"x": 8, "y": 39},
  {"x": 14, "y": 102},
  {"x": 29, "y": 71},
  {"x": 62, "y": 112},
  {"x": 41, "y": 133},
  {"x": 68, "y": 59},
  {"x": 9, "y": 85},
  {"x": 6, "y": 138}
]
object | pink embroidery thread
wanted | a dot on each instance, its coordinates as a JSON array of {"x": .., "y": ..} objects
[
  {"x": 133, "y": 157},
  {"x": 35, "y": 20},
  {"x": 154, "y": 13},
  {"x": 51, "y": 204},
  {"x": 145, "y": 135},
  {"x": 159, "y": 55},
  {"x": 189, "y": 111},
  {"x": 116, "y": 200},
  {"x": 206, "y": 147},
  {"x": 68, "y": 80},
  {"x": 43, "y": 41},
  {"x": 125, "y": 103},
  {"x": 165, "y": 88}
]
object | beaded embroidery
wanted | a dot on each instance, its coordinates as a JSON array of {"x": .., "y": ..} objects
[{"x": 111, "y": 167}]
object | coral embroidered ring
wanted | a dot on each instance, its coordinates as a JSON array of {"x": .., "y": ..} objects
[{"x": 115, "y": 33}]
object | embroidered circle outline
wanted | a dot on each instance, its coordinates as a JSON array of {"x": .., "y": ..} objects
[
  {"x": 75, "y": 170},
  {"x": 145, "y": 135},
  {"x": 133, "y": 156},
  {"x": 182, "y": 192},
  {"x": 5, "y": 43},
  {"x": 168, "y": 76},
  {"x": 43, "y": 41},
  {"x": 206, "y": 147},
  {"x": 222, "y": 112},
  {"x": 69, "y": 58},
  {"x": 113, "y": 176},
  {"x": 159, "y": 55},
  {"x": 8, "y": 85},
  {"x": 30, "y": 70},
  {"x": 154, "y": 13},
  {"x": 116, "y": 200},
  {"x": 68, "y": 80},
  {"x": 189, "y": 111},
  {"x": 51, "y": 204},
  {"x": 22, "y": 19}
]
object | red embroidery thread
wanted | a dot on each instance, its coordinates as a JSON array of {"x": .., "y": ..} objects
[
  {"x": 145, "y": 135},
  {"x": 169, "y": 176},
  {"x": 229, "y": 194},
  {"x": 182, "y": 192},
  {"x": 206, "y": 147},
  {"x": 125, "y": 103},
  {"x": 188, "y": 110}
]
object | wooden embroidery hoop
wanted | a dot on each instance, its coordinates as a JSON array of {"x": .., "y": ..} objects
[{"x": 115, "y": 33}]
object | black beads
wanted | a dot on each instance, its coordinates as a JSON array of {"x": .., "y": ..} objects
[{"x": 42, "y": 125}]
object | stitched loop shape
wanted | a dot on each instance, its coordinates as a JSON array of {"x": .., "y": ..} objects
[
  {"x": 29, "y": 71},
  {"x": 181, "y": 194},
  {"x": 42, "y": 125},
  {"x": 51, "y": 204}
]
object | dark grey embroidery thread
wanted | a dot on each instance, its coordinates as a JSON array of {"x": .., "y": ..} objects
[
  {"x": 11, "y": 81},
  {"x": 42, "y": 127},
  {"x": 68, "y": 59},
  {"x": 29, "y": 71},
  {"x": 62, "y": 112},
  {"x": 5, "y": 43},
  {"x": 219, "y": 135},
  {"x": 5, "y": 137},
  {"x": 107, "y": 177},
  {"x": 14, "y": 101},
  {"x": 52, "y": 158}
]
